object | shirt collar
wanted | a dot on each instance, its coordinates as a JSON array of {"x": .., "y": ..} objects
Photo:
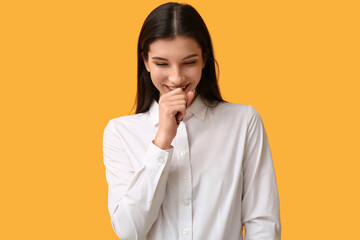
[{"x": 198, "y": 108}]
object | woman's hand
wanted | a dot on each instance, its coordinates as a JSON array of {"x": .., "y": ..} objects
[{"x": 172, "y": 109}]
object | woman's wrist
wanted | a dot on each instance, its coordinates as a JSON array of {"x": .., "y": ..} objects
[{"x": 162, "y": 142}]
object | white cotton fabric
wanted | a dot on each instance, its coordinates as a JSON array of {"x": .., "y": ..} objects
[{"x": 218, "y": 176}]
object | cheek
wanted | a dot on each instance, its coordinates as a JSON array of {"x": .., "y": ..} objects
[
  {"x": 194, "y": 73},
  {"x": 157, "y": 75}
]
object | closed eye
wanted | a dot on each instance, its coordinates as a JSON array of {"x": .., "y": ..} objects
[
  {"x": 189, "y": 63},
  {"x": 161, "y": 64}
]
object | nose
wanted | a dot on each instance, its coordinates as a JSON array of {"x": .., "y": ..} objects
[{"x": 176, "y": 77}]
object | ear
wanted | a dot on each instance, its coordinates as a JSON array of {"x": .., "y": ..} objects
[
  {"x": 146, "y": 63},
  {"x": 204, "y": 63},
  {"x": 204, "y": 59}
]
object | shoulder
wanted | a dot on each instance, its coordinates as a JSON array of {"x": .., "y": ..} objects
[
  {"x": 124, "y": 123},
  {"x": 232, "y": 114},
  {"x": 235, "y": 113},
  {"x": 235, "y": 109}
]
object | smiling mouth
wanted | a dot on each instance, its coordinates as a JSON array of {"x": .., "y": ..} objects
[{"x": 173, "y": 88}]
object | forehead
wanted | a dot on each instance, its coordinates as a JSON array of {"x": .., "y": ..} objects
[{"x": 177, "y": 47}]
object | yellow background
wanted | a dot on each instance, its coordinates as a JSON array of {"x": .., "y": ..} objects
[{"x": 68, "y": 67}]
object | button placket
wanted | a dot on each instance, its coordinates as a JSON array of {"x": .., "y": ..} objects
[
  {"x": 186, "y": 202},
  {"x": 183, "y": 153},
  {"x": 161, "y": 160},
  {"x": 185, "y": 184}
]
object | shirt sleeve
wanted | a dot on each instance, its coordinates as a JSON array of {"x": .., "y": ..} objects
[
  {"x": 134, "y": 197},
  {"x": 260, "y": 201}
]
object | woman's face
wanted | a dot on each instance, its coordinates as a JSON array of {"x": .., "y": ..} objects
[{"x": 175, "y": 63}]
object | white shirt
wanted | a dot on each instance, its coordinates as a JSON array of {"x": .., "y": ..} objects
[{"x": 218, "y": 175}]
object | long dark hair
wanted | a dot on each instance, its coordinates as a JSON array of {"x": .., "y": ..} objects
[{"x": 168, "y": 21}]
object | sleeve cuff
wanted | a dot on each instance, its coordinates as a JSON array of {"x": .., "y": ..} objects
[{"x": 157, "y": 158}]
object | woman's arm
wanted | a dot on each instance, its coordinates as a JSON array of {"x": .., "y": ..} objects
[
  {"x": 135, "y": 197},
  {"x": 260, "y": 203}
]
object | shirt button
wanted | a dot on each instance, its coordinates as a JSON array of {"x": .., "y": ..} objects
[
  {"x": 185, "y": 231},
  {"x": 185, "y": 176},
  {"x": 186, "y": 202},
  {"x": 183, "y": 153},
  {"x": 181, "y": 127},
  {"x": 161, "y": 160}
]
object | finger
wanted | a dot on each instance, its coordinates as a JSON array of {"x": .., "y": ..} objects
[
  {"x": 180, "y": 113},
  {"x": 177, "y": 103},
  {"x": 177, "y": 91},
  {"x": 179, "y": 117},
  {"x": 190, "y": 96},
  {"x": 172, "y": 98}
]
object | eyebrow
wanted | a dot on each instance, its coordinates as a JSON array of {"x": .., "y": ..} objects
[{"x": 164, "y": 59}]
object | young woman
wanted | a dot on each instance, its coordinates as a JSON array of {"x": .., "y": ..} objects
[{"x": 187, "y": 165}]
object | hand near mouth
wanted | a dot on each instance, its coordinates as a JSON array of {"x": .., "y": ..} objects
[
  {"x": 172, "y": 109},
  {"x": 179, "y": 116}
]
